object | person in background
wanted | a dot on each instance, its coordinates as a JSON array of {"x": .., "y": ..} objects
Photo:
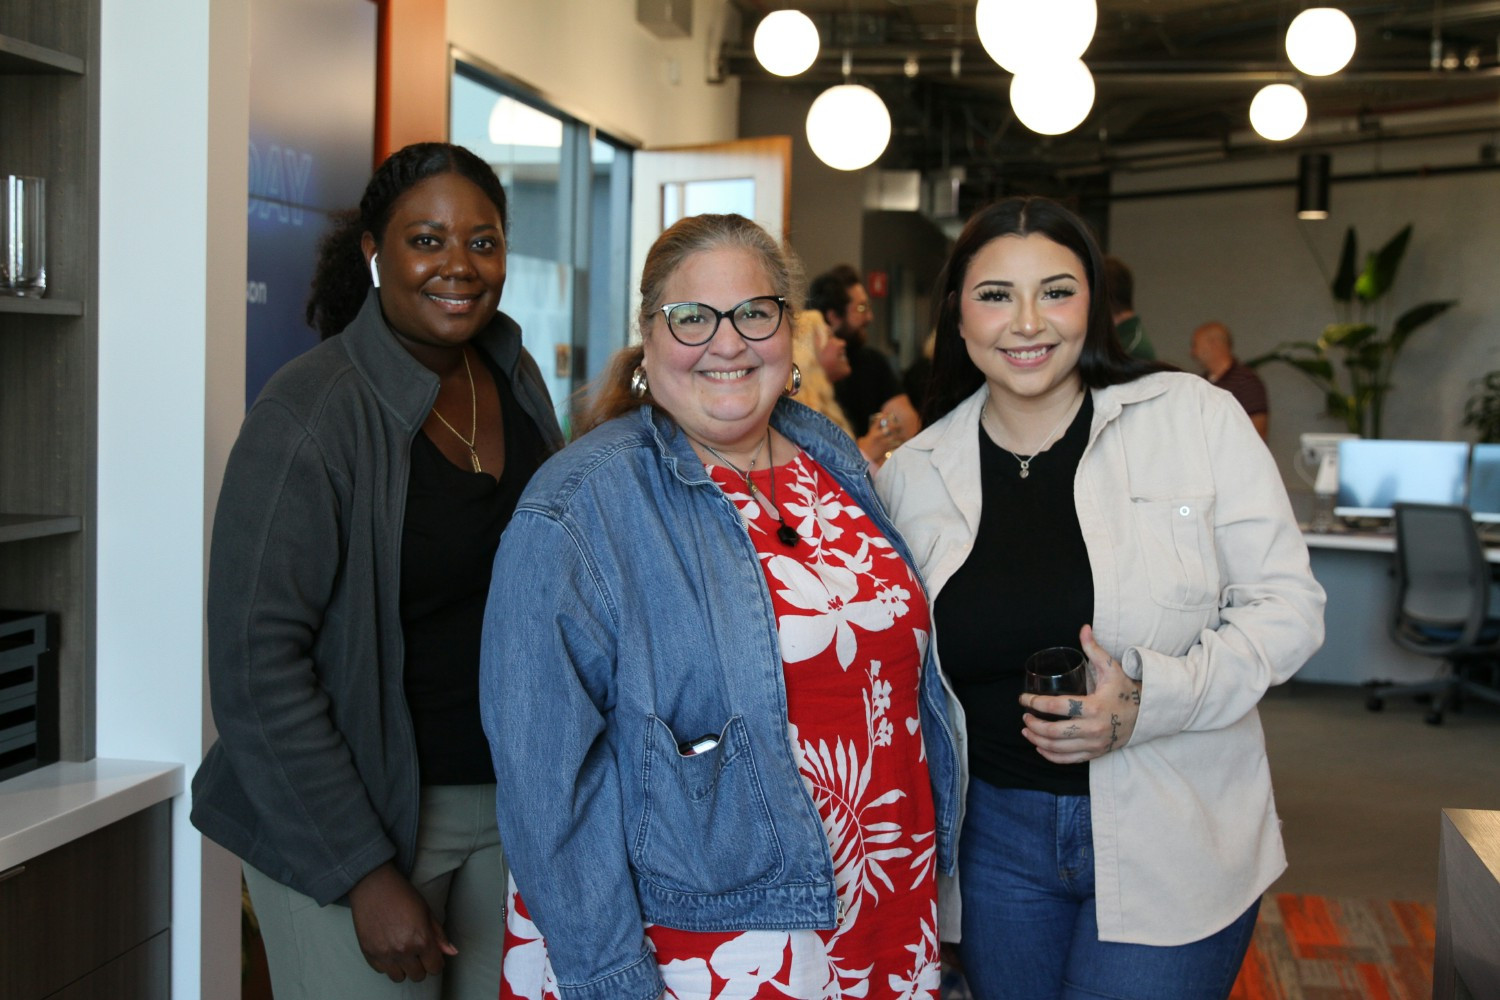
[
  {"x": 871, "y": 392},
  {"x": 1128, "y": 326},
  {"x": 1213, "y": 349},
  {"x": 705, "y": 713},
  {"x": 1070, "y": 495},
  {"x": 358, "y": 520},
  {"x": 919, "y": 374},
  {"x": 823, "y": 361}
]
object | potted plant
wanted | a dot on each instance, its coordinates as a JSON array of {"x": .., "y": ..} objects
[
  {"x": 1483, "y": 409},
  {"x": 1356, "y": 342}
]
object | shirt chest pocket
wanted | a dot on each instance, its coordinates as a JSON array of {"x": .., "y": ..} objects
[{"x": 1176, "y": 537}]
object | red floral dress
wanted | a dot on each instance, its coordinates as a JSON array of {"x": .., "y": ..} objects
[{"x": 853, "y": 627}]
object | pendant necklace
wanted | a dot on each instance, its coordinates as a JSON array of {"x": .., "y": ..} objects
[
  {"x": 786, "y": 534},
  {"x": 1026, "y": 462},
  {"x": 473, "y": 416}
]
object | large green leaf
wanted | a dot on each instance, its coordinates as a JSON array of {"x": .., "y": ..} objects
[
  {"x": 1415, "y": 317},
  {"x": 1380, "y": 268},
  {"x": 1343, "y": 281},
  {"x": 1284, "y": 352},
  {"x": 1320, "y": 370},
  {"x": 1346, "y": 335}
]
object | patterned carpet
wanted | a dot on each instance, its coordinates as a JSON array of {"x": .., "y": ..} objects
[{"x": 1316, "y": 948}]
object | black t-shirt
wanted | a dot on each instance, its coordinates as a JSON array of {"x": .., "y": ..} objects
[
  {"x": 1026, "y": 585},
  {"x": 454, "y": 518}
]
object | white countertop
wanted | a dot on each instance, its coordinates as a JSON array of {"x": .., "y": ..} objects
[
  {"x": 1368, "y": 541},
  {"x": 59, "y": 803}
]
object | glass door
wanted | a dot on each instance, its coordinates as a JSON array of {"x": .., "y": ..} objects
[{"x": 569, "y": 197}]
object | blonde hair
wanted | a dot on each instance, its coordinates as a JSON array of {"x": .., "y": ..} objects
[{"x": 810, "y": 332}]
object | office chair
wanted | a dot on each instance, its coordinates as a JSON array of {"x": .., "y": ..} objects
[{"x": 1443, "y": 606}]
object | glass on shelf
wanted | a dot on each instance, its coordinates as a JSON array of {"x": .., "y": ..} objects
[{"x": 23, "y": 236}]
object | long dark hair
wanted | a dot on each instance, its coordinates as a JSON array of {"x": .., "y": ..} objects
[
  {"x": 342, "y": 280},
  {"x": 1102, "y": 360}
]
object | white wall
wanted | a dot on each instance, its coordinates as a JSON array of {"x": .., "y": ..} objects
[
  {"x": 174, "y": 126},
  {"x": 1243, "y": 257},
  {"x": 592, "y": 60}
]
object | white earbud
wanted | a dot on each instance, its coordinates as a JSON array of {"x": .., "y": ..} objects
[{"x": 374, "y": 271}]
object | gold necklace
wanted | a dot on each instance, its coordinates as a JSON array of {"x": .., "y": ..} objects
[
  {"x": 786, "y": 534},
  {"x": 473, "y": 416},
  {"x": 1026, "y": 462}
]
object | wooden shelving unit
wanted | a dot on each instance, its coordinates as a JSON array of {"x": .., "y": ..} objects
[{"x": 49, "y": 116}]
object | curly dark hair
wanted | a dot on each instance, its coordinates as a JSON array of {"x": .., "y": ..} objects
[
  {"x": 342, "y": 280},
  {"x": 1102, "y": 361}
]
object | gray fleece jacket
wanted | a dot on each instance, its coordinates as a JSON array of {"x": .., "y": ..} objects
[{"x": 313, "y": 779}]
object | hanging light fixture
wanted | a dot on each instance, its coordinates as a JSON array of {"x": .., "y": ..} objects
[
  {"x": 1053, "y": 98},
  {"x": 1320, "y": 41},
  {"x": 1019, "y": 34},
  {"x": 1312, "y": 185},
  {"x": 786, "y": 43},
  {"x": 848, "y": 126},
  {"x": 1278, "y": 111}
]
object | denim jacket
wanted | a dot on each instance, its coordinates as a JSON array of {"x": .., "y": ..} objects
[{"x": 629, "y": 612}]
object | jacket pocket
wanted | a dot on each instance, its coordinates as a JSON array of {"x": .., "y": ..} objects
[
  {"x": 706, "y": 827},
  {"x": 1177, "y": 546}
]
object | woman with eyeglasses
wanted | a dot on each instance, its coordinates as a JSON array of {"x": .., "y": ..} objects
[{"x": 705, "y": 675}]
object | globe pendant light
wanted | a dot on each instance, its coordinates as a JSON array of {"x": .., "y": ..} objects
[
  {"x": 848, "y": 126},
  {"x": 1278, "y": 111},
  {"x": 786, "y": 43},
  {"x": 1054, "y": 98},
  {"x": 1320, "y": 41},
  {"x": 1019, "y": 34}
]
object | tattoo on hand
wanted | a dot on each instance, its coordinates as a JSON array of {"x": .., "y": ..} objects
[
  {"x": 1133, "y": 696},
  {"x": 1070, "y": 732},
  {"x": 1114, "y": 732},
  {"x": 1075, "y": 708}
]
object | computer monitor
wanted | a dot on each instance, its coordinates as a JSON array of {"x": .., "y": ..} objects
[
  {"x": 1373, "y": 475},
  {"x": 1484, "y": 483}
]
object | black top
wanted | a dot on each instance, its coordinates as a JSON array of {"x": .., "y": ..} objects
[
  {"x": 870, "y": 382},
  {"x": 454, "y": 518},
  {"x": 1026, "y": 585}
]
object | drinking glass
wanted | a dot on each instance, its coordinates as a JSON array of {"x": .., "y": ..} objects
[
  {"x": 1057, "y": 670},
  {"x": 23, "y": 236}
]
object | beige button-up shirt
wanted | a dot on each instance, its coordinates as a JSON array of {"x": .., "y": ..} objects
[{"x": 1203, "y": 590}]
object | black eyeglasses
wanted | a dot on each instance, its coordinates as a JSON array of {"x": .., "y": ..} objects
[{"x": 695, "y": 323}]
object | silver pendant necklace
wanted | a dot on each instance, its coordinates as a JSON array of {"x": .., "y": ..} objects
[
  {"x": 786, "y": 534},
  {"x": 1026, "y": 462}
]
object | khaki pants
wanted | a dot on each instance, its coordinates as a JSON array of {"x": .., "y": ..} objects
[{"x": 313, "y": 952}]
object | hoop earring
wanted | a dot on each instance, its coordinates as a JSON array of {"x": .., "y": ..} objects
[
  {"x": 374, "y": 271},
  {"x": 639, "y": 384},
  {"x": 795, "y": 385}
]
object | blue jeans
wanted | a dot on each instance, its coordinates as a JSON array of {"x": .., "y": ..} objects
[{"x": 1026, "y": 867}]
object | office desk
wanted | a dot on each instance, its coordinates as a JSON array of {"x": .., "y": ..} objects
[
  {"x": 1467, "y": 959},
  {"x": 1357, "y": 571}
]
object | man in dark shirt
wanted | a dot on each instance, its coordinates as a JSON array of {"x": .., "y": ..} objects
[
  {"x": 1128, "y": 326},
  {"x": 1213, "y": 348},
  {"x": 871, "y": 388}
]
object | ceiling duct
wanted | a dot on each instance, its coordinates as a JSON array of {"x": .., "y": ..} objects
[{"x": 665, "y": 18}]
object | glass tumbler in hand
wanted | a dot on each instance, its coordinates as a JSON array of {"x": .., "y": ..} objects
[{"x": 1057, "y": 670}]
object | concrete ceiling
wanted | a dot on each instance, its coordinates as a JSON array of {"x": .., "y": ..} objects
[{"x": 1172, "y": 77}]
